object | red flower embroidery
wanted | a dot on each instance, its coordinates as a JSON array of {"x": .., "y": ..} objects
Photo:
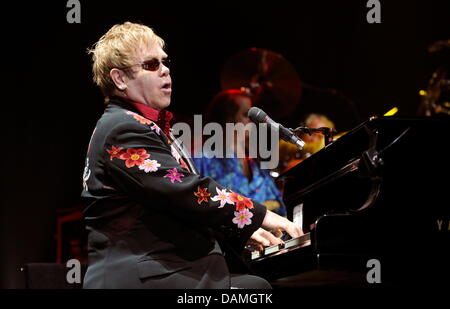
[
  {"x": 134, "y": 156},
  {"x": 139, "y": 118},
  {"x": 183, "y": 164},
  {"x": 202, "y": 195},
  {"x": 115, "y": 152},
  {"x": 241, "y": 202}
]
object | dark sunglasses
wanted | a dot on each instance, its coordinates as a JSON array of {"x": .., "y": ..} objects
[{"x": 150, "y": 65}]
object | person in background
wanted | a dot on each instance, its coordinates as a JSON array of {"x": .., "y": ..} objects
[
  {"x": 242, "y": 175},
  {"x": 315, "y": 141},
  {"x": 290, "y": 155}
]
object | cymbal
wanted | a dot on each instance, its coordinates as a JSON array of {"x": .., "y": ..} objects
[{"x": 270, "y": 79}]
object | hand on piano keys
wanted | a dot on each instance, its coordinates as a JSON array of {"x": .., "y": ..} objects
[
  {"x": 271, "y": 231},
  {"x": 262, "y": 238},
  {"x": 274, "y": 222},
  {"x": 291, "y": 244}
]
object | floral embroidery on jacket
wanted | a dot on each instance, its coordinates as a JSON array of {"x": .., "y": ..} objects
[
  {"x": 139, "y": 118},
  {"x": 242, "y": 202},
  {"x": 173, "y": 174},
  {"x": 223, "y": 196},
  {"x": 155, "y": 128},
  {"x": 178, "y": 157},
  {"x": 202, "y": 195},
  {"x": 139, "y": 157},
  {"x": 86, "y": 175},
  {"x": 149, "y": 166},
  {"x": 134, "y": 157},
  {"x": 144, "y": 120},
  {"x": 175, "y": 153},
  {"x": 115, "y": 152},
  {"x": 242, "y": 218}
]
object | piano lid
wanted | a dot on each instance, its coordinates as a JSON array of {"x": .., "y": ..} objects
[{"x": 345, "y": 151}]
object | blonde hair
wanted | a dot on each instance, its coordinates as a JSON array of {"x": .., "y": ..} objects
[
  {"x": 116, "y": 49},
  {"x": 320, "y": 117}
]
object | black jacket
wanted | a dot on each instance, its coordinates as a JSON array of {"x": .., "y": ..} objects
[{"x": 153, "y": 223}]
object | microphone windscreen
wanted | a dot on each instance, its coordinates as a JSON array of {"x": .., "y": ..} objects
[{"x": 256, "y": 114}]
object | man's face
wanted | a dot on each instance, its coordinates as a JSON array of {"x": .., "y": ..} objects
[
  {"x": 152, "y": 88},
  {"x": 315, "y": 137}
]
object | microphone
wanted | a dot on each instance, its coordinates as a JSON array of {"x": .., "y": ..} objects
[{"x": 259, "y": 116}]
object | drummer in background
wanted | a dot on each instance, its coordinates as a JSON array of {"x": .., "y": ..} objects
[
  {"x": 291, "y": 156},
  {"x": 315, "y": 141}
]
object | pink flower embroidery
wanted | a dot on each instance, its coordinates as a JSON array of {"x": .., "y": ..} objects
[
  {"x": 223, "y": 196},
  {"x": 242, "y": 218},
  {"x": 149, "y": 166},
  {"x": 173, "y": 174}
]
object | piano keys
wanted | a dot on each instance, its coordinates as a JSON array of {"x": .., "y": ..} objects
[{"x": 291, "y": 244}]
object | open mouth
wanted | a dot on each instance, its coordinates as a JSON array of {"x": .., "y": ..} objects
[{"x": 167, "y": 86}]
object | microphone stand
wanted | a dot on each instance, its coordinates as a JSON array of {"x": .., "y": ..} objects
[{"x": 327, "y": 132}]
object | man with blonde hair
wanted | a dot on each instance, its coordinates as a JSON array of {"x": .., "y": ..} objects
[{"x": 153, "y": 221}]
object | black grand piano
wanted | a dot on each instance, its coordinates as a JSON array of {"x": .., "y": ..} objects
[{"x": 374, "y": 206}]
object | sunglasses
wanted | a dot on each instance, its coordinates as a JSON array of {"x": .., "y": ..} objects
[{"x": 150, "y": 65}]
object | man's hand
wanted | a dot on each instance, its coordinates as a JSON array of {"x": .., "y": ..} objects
[
  {"x": 262, "y": 238},
  {"x": 274, "y": 222}
]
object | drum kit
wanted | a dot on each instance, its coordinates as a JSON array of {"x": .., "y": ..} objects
[
  {"x": 276, "y": 88},
  {"x": 435, "y": 99},
  {"x": 267, "y": 77},
  {"x": 272, "y": 82}
]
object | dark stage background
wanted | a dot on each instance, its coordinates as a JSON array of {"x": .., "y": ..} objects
[{"x": 48, "y": 117}]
